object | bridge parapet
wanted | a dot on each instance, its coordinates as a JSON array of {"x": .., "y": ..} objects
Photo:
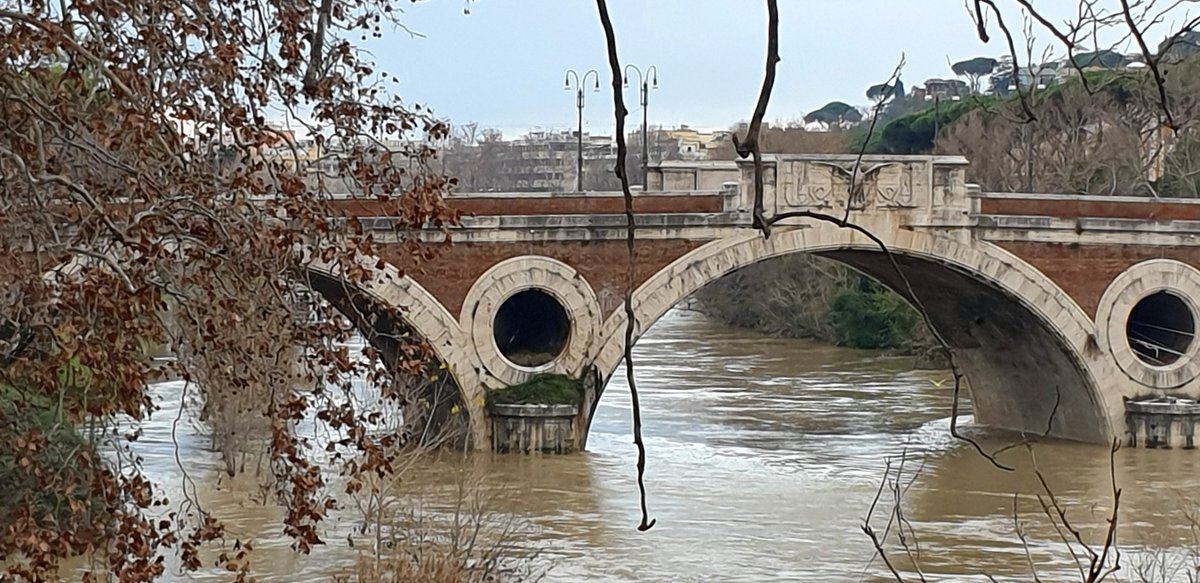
[
  {"x": 691, "y": 175},
  {"x": 922, "y": 187}
]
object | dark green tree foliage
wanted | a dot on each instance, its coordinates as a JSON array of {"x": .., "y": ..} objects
[
  {"x": 835, "y": 113},
  {"x": 974, "y": 69},
  {"x": 881, "y": 92},
  {"x": 869, "y": 316},
  {"x": 914, "y": 133},
  {"x": 1102, "y": 59}
]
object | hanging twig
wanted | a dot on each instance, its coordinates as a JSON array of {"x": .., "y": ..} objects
[
  {"x": 1068, "y": 41},
  {"x": 981, "y": 30},
  {"x": 898, "y": 488},
  {"x": 750, "y": 146},
  {"x": 619, "y": 112},
  {"x": 876, "y": 540},
  {"x": 1097, "y": 567},
  {"x": 862, "y": 150},
  {"x": 898, "y": 492},
  {"x": 956, "y": 372},
  {"x": 1098, "y": 571},
  {"x": 1024, "y": 541},
  {"x": 1025, "y": 440}
]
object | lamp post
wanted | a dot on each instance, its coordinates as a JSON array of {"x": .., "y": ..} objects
[
  {"x": 579, "y": 83},
  {"x": 646, "y": 82},
  {"x": 937, "y": 113}
]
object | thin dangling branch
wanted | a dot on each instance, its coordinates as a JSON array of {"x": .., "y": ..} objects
[
  {"x": 862, "y": 150},
  {"x": 619, "y": 112},
  {"x": 749, "y": 146}
]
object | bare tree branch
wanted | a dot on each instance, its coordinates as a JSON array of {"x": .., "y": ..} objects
[
  {"x": 750, "y": 145},
  {"x": 1151, "y": 62},
  {"x": 619, "y": 113},
  {"x": 862, "y": 150}
]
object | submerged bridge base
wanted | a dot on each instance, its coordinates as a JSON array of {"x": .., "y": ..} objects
[{"x": 1162, "y": 423}]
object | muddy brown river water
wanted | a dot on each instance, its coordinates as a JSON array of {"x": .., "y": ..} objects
[{"x": 764, "y": 456}]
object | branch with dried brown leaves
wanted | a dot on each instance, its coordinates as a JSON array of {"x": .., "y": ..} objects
[{"x": 152, "y": 202}]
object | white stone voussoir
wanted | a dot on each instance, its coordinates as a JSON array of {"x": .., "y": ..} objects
[
  {"x": 518, "y": 274},
  {"x": 429, "y": 319},
  {"x": 985, "y": 261},
  {"x": 1118, "y": 301}
]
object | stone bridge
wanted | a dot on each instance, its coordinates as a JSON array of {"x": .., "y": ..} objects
[{"x": 1084, "y": 302}]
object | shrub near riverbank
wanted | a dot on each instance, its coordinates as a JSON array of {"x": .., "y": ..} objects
[
  {"x": 801, "y": 296},
  {"x": 47, "y": 476}
]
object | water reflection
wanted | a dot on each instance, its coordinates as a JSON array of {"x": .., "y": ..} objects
[{"x": 763, "y": 457}]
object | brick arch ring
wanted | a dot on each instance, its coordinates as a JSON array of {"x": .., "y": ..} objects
[
  {"x": 428, "y": 318},
  {"x": 986, "y": 262},
  {"x": 517, "y": 274},
  {"x": 710, "y": 262},
  {"x": 1116, "y": 306},
  {"x": 423, "y": 312}
]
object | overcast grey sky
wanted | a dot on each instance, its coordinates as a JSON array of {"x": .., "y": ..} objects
[{"x": 503, "y": 64}]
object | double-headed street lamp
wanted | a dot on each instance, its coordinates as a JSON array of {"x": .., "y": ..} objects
[
  {"x": 646, "y": 82},
  {"x": 579, "y": 83}
]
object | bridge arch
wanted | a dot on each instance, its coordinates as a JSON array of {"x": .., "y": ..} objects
[
  {"x": 1027, "y": 349},
  {"x": 422, "y": 314}
]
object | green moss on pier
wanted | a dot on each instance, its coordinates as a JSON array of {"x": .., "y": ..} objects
[{"x": 544, "y": 389}]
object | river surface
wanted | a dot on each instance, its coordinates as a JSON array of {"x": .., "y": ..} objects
[{"x": 764, "y": 457}]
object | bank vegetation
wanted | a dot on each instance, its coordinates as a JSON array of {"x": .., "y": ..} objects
[{"x": 810, "y": 297}]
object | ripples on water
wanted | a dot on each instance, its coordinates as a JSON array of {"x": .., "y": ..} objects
[{"x": 763, "y": 457}]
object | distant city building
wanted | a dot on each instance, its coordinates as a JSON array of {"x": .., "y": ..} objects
[
  {"x": 692, "y": 144},
  {"x": 539, "y": 161},
  {"x": 542, "y": 160},
  {"x": 943, "y": 88},
  {"x": 1007, "y": 77}
]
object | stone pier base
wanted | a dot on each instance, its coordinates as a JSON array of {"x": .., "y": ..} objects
[
  {"x": 533, "y": 428},
  {"x": 1165, "y": 422}
]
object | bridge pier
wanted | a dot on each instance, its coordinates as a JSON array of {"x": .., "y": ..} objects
[
  {"x": 1164, "y": 422},
  {"x": 534, "y": 428}
]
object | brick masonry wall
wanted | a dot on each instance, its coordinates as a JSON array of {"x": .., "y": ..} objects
[
  {"x": 1084, "y": 271},
  {"x": 549, "y": 205},
  {"x": 1148, "y": 209},
  {"x": 450, "y": 274}
]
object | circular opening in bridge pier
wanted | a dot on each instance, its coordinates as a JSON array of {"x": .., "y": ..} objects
[
  {"x": 531, "y": 328},
  {"x": 1160, "y": 328}
]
